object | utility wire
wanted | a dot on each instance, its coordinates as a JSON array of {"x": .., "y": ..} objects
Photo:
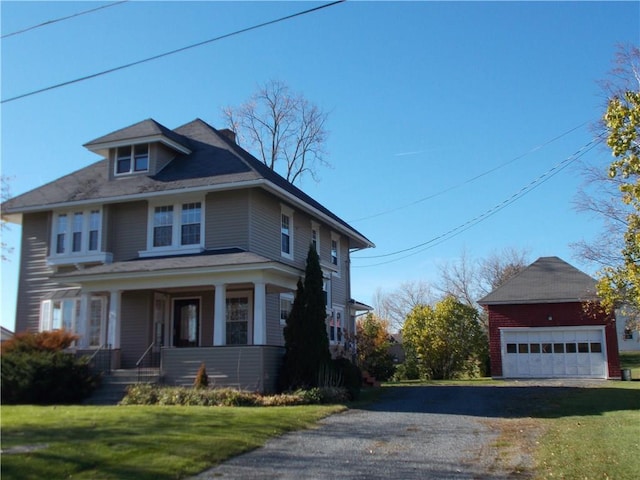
[
  {"x": 56, "y": 20},
  {"x": 495, "y": 209},
  {"x": 172, "y": 52},
  {"x": 470, "y": 180}
]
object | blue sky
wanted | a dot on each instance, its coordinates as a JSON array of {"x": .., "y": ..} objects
[{"x": 423, "y": 97}]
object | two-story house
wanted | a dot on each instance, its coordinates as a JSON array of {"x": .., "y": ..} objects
[{"x": 180, "y": 242}]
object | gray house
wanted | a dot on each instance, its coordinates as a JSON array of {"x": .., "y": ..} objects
[{"x": 180, "y": 244}]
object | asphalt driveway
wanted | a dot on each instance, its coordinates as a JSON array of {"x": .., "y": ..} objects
[{"x": 421, "y": 432}]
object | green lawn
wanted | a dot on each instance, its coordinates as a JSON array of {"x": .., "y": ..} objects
[
  {"x": 631, "y": 360},
  {"x": 591, "y": 433},
  {"x": 138, "y": 442}
]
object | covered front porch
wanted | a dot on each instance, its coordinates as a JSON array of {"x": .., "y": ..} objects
[{"x": 229, "y": 319}]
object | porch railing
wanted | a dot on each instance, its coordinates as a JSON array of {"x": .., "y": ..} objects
[
  {"x": 100, "y": 360},
  {"x": 149, "y": 363}
]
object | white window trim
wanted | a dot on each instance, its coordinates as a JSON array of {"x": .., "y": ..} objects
[
  {"x": 286, "y": 211},
  {"x": 84, "y": 255},
  {"x": 335, "y": 238},
  {"x": 332, "y": 316},
  {"x": 176, "y": 231},
  {"x": 286, "y": 297},
  {"x": 315, "y": 227},
  {"x": 241, "y": 294},
  {"x": 132, "y": 170},
  {"x": 46, "y": 316}
]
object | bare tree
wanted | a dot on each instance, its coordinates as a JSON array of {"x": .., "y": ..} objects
[
  {"x": 284, "y": 129},
  {"x": 499, "y": 267},
  {"x": 600, "y": 195},
  {"x": 394, "y": 306},
  {"x": 468, "y": 280},
  {"x": 460, "y": 280}
]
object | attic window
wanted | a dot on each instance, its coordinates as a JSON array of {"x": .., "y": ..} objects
[{"x": 132, "y": 159}]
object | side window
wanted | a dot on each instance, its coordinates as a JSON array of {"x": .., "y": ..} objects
[
  {"x": 315, "y": 237},
  {"x": 335, "y": 252},
  {"x": 286, "y": 232},
  {"x": 286, "y": 302}
]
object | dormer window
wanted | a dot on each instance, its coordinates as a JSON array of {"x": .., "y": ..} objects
[{"x": 132, "y": 159}]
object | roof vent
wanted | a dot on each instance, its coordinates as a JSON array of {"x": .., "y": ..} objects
[{"x": 230, "y": 134}]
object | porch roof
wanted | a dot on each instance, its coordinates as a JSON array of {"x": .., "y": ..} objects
[{"x": 209, "y": 261}]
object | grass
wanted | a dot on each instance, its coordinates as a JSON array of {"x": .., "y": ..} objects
[
  {"x": 138, "y": 442},
  {"x": 631, "y": 360},
  {"x": 574, "y": 433}
]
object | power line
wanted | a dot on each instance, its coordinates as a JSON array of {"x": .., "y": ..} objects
[
  {"x": 172, "y": 52},
  {"x": 495, "y": 209},
  {"x": 469, "y": 180},
  {"x": 56, "y": 20}
]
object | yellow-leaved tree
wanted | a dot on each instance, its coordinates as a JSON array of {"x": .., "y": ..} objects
[
  {"x": 619, "y": 285},
  {"x": 445, "y": 340}
]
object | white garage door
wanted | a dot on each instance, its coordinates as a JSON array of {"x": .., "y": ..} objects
[{"x": 553, "y": 352}]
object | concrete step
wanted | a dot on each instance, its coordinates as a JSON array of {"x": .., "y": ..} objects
[{"x": 113, "y": 387}]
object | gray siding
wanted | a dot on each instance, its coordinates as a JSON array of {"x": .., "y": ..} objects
[
  {"x": 136, "y": 319},
  {"x": 265, "y": 225},
  {"x": 127, "y": 230},
  {"x": 34, "y": 278},
  {"x": 159, "y": 157},
  {"x": 274, "y": 329},
  {"x": 227, "y": 220},
  {"x": 339, "y": 283},
  {"x": 253, "y": 368}
]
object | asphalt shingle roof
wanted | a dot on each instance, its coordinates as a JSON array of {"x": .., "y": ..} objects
[
  {"x": 214, "y": 160},
  {"x": 547, "y": 280}
]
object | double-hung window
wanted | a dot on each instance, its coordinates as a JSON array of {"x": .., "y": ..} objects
[
  {"x": 315, "y": 237},
  {"x": 286, "y": 232},
  {"x": 163, "y": 226},
  {"x": 191, "y": 221},
  {"x": 175, "y": 228},
  {"x": 76, "y": 234},
  {"x": 64, "y": 313},
  {"x": 286, "y": 303},
  {"x": 335, "y": 252},
  {"x": 132, "y": 159}
]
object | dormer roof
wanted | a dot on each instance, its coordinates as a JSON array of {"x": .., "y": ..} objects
[{"x": 146, "y": 131}]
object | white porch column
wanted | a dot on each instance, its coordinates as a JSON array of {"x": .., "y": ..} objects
[
  {"x": 82, "y": 323},
  {"x": 260, "y": 314},
  {"x": 114, "y": 327},
  {"x": 220, "y": 315}
]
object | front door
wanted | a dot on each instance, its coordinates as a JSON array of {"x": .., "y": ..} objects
[{"x": 186, "y": 322}]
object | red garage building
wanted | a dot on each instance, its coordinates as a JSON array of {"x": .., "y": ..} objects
[{"x": 545, "y": 323}]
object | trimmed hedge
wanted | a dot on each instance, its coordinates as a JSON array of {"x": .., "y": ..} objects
[{"x": 147, "y": 394}]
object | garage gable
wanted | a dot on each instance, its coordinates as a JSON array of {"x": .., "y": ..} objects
[{"x": 539, "y": 326}]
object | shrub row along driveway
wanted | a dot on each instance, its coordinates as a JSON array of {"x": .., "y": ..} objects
[{"x": 416, "y": 432}]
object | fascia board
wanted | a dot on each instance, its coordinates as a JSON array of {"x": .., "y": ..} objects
[
  {"x": 101, "y": 147},
  {"x": 190, "y": 276},
  {"x": 317, "y": 213},
  {"x": 138, "y": 196},
  {"x": 278, "y": 191}
]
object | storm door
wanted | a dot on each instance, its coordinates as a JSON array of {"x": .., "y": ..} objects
[{"x": 186, "y": 322}]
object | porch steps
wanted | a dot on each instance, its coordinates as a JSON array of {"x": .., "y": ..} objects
[{"x": 114, "y": 386}]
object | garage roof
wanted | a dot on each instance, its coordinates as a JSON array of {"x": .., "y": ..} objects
[{"x": 547, "y": 280}]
